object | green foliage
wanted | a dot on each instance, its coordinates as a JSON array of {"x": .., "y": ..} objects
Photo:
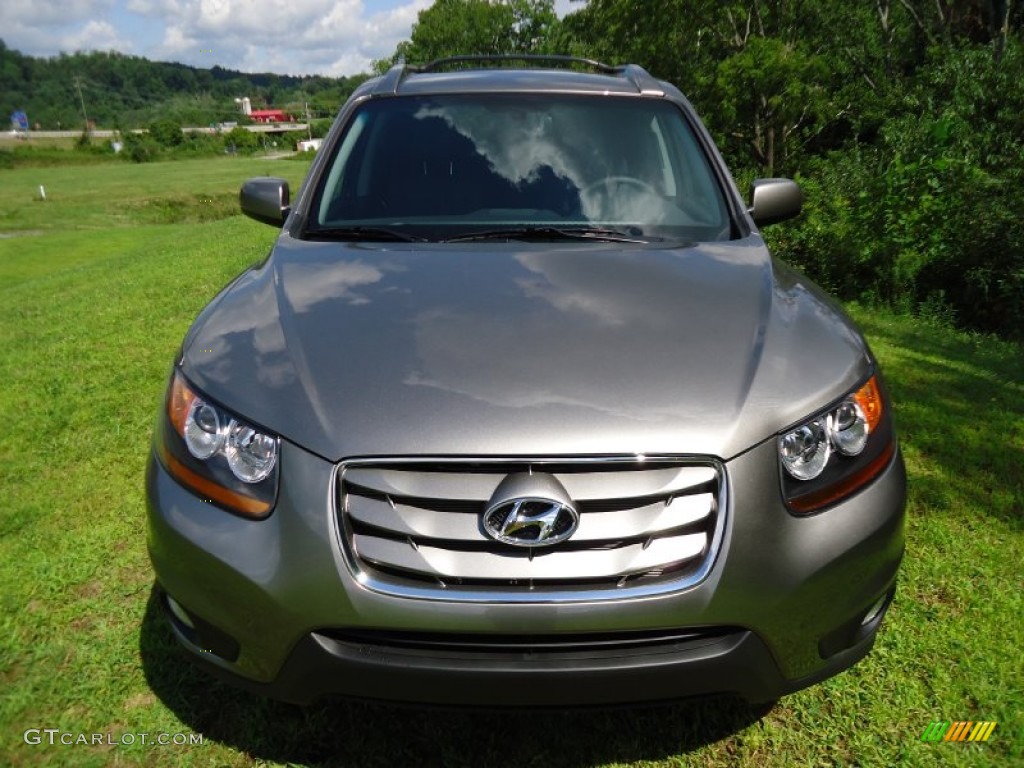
[
  {"x": 319, "y": 128},
  {"x": 928, "y": 217},
  {"x": 49, "y": 157},
  {"x": 829, "y": 241},
  {"x": 240, "y": 140},
  {"x": 166, "y": 133},
  {"x": 770, "y": 91},
  {"x": 132, "y": 92},
  {"x": 955, "y": 186},
  {"x": 140, "y": 147},
  {"x": 198, "y": 144},
  {"x": 456, "y": 27}
]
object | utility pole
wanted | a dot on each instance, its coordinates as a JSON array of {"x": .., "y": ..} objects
[
  {"x": 78, "y": 86},
  {"x": 309, "y": 125}
]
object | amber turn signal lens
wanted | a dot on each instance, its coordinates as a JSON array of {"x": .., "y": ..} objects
[
  {"x": 179, "y": 403},
  {"x": 869, "y": 398}
]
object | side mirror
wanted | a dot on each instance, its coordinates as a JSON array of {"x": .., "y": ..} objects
[
  {"x": 774, "y": 200},
  {"x": 266, "y": 199}
]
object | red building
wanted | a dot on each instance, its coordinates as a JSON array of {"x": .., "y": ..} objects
[{"x": 270, "y": 116}]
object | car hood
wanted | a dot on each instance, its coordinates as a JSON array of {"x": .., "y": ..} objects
[{"x": 518, "y": 349}]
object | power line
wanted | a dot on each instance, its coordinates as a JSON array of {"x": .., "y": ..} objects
[{"x": 78, "y": 86}]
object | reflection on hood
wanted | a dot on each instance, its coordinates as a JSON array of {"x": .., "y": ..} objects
[
  {"x": 308, "y": 283},
  {"x": 583, "y": 349}
]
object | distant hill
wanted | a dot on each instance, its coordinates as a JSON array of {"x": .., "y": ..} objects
[{"x": 131, "y": 91}]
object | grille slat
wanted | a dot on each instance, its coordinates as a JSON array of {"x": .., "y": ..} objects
[
  {"x": 427, "y": 485},
  {"x": 413, "y": 527},
  {"x": 582, "y": 486},
  {"x": 415, "y": 521},
  {"x": 640, "y": 523},
  {"x": 587, "y": 564}
]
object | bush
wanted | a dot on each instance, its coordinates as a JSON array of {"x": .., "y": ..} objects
[
  {"x": 928, "y": 220},
  {"x": 240, "y": 140},
  {"x": 166, "y": 133},
  {"x": 828, "y": 241},
  {"x": 319, "y": 127},
  {"x": 140, "y": 148},
  {"x": 199, "y": 145}
]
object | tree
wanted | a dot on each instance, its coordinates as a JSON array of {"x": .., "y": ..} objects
[
  {"x": 485, "y": 27},
  {"x": 769, "y": 96},
  {"x": 133, "y": 92},
  {"x": 753, "y": 67}
]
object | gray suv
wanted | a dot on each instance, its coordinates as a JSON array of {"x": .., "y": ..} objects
[{"x": 520, "y": 411}]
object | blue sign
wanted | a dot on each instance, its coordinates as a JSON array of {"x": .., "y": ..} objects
[{"x": 19, "y": 121}]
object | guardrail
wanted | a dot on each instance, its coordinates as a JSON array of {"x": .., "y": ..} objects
[{"x": 107, "y": 134}]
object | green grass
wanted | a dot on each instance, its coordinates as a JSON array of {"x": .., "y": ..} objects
[
  {"x": 92, "y": 310},
  {"x": 120, "y": 194}
]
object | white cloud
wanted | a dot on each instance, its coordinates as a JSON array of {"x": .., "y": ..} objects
[
  {"x": 562, "y": 7},
  {"x": 284, "y": 36},
  {"x": 95, "y": 36},
  {"x": 328, "y": 37},
  {"x": 153, "y": 7},
  {"x": 30, "y": 13},
  {"x": 176, "y": 39}
]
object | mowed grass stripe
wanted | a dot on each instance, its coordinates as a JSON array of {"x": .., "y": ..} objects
[
  {"x": 84, "y": 351},
  {"x": 124, "y": 194}
]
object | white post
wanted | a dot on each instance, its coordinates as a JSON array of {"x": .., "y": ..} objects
[{"x": 42, "y": 192}]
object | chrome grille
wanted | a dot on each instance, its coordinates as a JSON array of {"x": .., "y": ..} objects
[{"x": 412, "y": 528}]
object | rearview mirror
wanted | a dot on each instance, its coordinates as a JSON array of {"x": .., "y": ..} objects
[
  {"x": 774, "y": 200},
  {"x": 266, "y": 199}
]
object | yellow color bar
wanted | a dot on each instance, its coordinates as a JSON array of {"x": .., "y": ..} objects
[{"x": 982, "y": 731}]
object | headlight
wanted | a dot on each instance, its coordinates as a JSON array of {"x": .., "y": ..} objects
[
  {"x": 204, "y": 434},
  {"x": 806, "y": 449},
  {"x": 835, "y": 453},
  {"x": 216, "y": 455},
  {"x": 251, "y": 454}
]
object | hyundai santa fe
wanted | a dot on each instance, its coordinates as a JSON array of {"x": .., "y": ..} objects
[{"x": 520, "y": 411}]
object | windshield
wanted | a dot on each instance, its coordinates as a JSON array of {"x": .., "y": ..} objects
[{"x": 545, "y": 166}]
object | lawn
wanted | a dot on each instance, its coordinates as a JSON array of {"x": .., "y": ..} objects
[{"x": 96, "y": 291}]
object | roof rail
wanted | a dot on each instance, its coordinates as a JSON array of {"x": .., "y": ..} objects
[
  {"x": 392, "y": 79},
  {"x": 637, "y": 75},
  {"x": 437, "y": 64},
  {"x": 642, "y": 79}
]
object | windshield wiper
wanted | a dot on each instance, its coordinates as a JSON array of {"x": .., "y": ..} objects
[
  {"x": 364, "y": 234},
  {"x": 548, "y": 233}
]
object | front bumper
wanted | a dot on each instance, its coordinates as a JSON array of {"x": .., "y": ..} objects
[
  {"x": 277, "y": 610},
  {"x": 735, "y": 662}
]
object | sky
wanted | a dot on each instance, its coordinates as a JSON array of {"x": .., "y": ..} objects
[{"x": 288, "y": 37}]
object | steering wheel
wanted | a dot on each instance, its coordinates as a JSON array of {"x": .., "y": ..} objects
[{"x": 608, "y": 183}]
